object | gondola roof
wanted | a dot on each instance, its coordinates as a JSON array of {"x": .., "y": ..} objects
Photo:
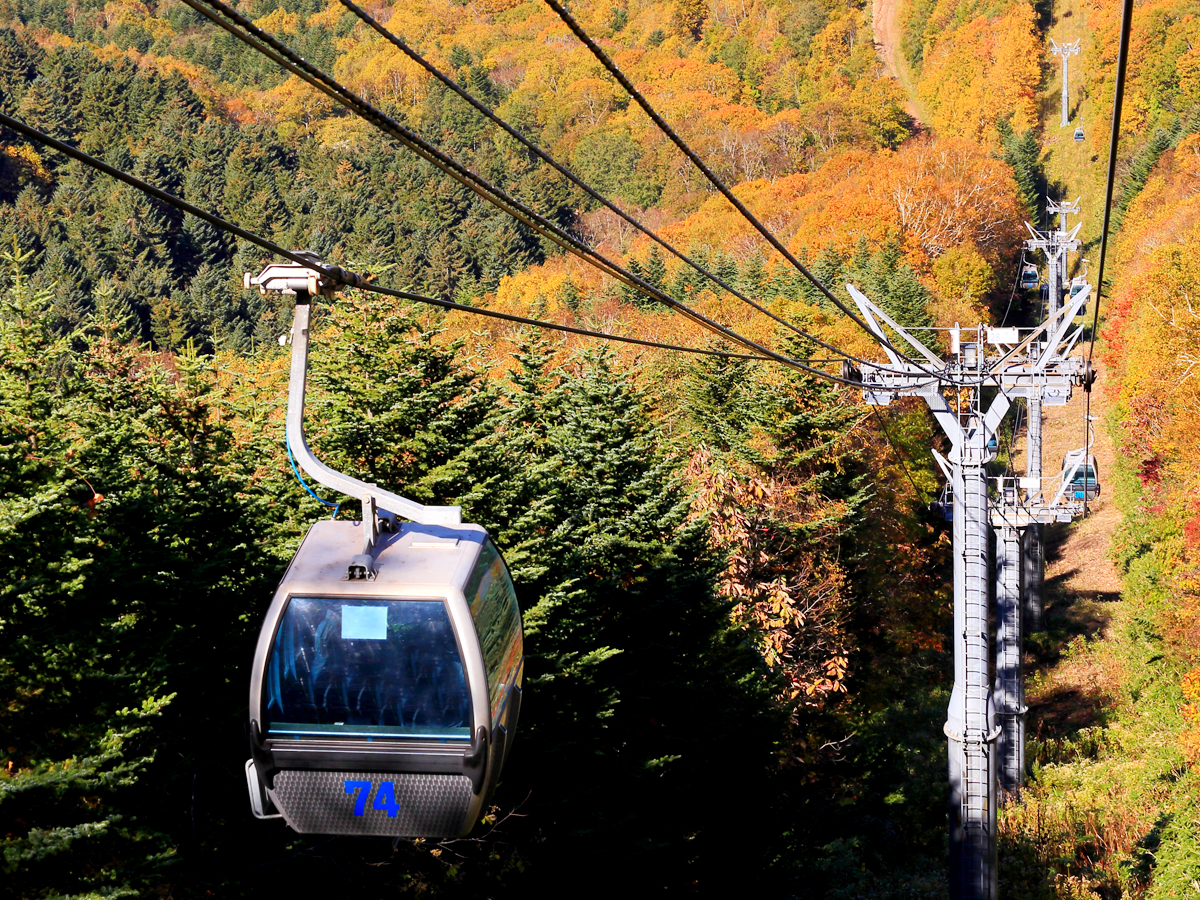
[{"x": 414, "y": 555}]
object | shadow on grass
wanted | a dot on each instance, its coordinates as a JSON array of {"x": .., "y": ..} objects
[{"x": 1060, "y": 713}]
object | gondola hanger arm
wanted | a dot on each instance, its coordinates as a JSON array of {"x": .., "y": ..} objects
[{"x": 305, "y": 283}]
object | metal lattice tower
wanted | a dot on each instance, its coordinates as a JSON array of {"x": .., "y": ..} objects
[
  {"x": 1009, "y": 689},
  {"x": 1039, "y": 364},
  {"x": 1033, "y": 560},
  {"x": 1066, "y": 51},
  {"x": 1056, "y": 244}
]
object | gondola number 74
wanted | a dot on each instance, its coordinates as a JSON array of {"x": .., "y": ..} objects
[{"x": 385, "y": 797}]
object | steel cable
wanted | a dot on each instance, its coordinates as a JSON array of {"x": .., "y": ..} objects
[
  {"x": 340, "y": 275},
  {"x": 900, "y": 453},
  {"x": 270, "y": 47},
  {"x": 566, "y": 173},
  {"x": 1011, "y": 296},
  {"x": 1114, "y": 138},
  {"x": 606, "y": 61}
]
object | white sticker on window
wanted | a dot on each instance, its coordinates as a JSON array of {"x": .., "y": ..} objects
[{"x": 364, "y": 623}]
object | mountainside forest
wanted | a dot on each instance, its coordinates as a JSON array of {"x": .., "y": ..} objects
[{"x": 737, "y": 602}]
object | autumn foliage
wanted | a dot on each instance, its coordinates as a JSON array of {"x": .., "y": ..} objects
[
  {"x": 980, "y": 71},
  {"x": 1153, "y": 348},
  {"x": 949, "y": 205}
]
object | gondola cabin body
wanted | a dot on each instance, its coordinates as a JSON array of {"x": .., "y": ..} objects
[
  {"x": 1029, "y": 277},
  {"x": 1080, "y": 478},
  {"x": 386, "y": 686}
]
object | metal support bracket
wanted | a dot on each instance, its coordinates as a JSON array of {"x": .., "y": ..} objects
[{"x": 298, "y": 280}]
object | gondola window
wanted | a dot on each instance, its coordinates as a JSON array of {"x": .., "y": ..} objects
[
  {"x": 497, "y": 620},
  {"x": 366, "y": 668}
]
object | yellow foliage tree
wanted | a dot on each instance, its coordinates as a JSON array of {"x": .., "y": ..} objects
[{"x": 985, "y": 71}]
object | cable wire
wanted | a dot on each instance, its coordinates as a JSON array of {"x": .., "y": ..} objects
[
  {"x": 1114, "y": 138},
  {"x": 350, "y": 279},
  {"x": 606, "y": 61},
  {"x": 900, "y": 454},
  {"x": 570, "y": 176},
  {"x": 264, "y": 43},
  {"x": 340, "y": 275},
  {"x": 1016, "y": 281}
]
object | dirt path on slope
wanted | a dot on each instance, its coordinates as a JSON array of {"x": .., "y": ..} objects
[
  {"x": 1082, "y": 585},
  {"x": 1069, "y": 690},
  {"x": 885, "y": 20},
  {"x": 1081, "y": 564}
]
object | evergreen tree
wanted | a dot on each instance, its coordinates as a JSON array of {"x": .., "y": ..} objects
[
  {"x": 725, "y": 267},
  {"x": 19, "y": 60},
  {"x": 894, "y": 285},
  {"x": 104, "y": 107},
  {"x": 389, "y": 405},
  {"x": 631, "y": 294},
  {"x": 506, "y": 249},
  {"x": 1023, "y": 154},
  {"x": 687, "y": 280},
  {"x": 1139, "y": 170},
  {"x": 114, "y": 320},
  {"x": 656, "y": 269},
  {"x": 726, "y": 404},
  {"x": 66, "y": 281},
  {"x": 48, "y": 109},
  {"x": 752, "y": 276},
  {"x": 627, "y": 646},
  {"x": 131, "y": 551},
  {"x": 481, "y": 86}
]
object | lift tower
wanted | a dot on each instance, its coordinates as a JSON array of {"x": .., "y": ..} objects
[
  {"x": 1066, "y": 51},
  {"x": 1020, "y": 510},
  {"x": 1038, "y": 362},
  {"x": 1055, "y": 243}
]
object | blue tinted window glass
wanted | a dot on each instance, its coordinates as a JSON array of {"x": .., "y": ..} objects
[
  {"x": 366, "y": 668},
  {"x": 497, "y": 621}
]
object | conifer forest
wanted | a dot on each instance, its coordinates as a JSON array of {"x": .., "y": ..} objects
[{"x": 734, "y": 575}]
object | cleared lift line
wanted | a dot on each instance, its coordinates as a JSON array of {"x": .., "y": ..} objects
[
  {"x": 247, "y": 32},
  {"x": 1114, "y": 138}
]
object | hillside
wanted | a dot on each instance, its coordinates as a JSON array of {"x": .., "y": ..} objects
[
  {"x": 736, "y": 600},
  {"x": 1111, "y": 810}
]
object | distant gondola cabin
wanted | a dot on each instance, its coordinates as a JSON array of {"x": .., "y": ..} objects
[{"x": 1081, "y": 481}]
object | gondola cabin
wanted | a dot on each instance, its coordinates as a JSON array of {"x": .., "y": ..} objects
[
  {"x": 386, "y": 686},
  {"x": 1079, "y": 135},
  {"x": 1082, "y": 481},
  {"x": 1077, "y": 285},
  {"x": 1029, "y": 277}
]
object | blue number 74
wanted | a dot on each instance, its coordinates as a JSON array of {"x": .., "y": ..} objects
[
  {"x": 361, "y": 791},
  {"x": 385, "y": 797}
]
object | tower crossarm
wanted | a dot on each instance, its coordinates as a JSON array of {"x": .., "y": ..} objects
[
  {"x": 1012, "y": 510},
  {"x": 880, "y": 383}
]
